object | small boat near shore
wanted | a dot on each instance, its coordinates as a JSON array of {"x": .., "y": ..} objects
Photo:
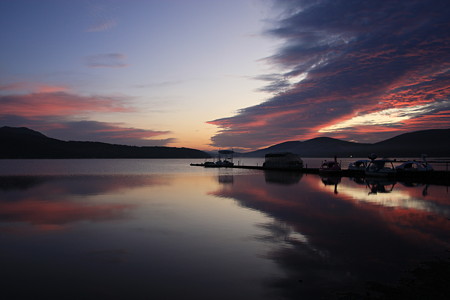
[
  {"x": 330, "y": 166},
  {"x": 223, "y": 160},
  {"x": 218, "y": 164},
  {"x": 359, "y": 165},
  {"x": 380, "y": 167},
  {"x": 412, "y": 166}
]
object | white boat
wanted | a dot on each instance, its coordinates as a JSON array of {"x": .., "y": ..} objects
[
  {"x": 414, "y": 166},
  {"x": 359, "y": 165},
  {"x": 380, "y": 167}
]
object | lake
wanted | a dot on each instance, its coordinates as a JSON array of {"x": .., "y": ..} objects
[{"x": 161, "y": 229}]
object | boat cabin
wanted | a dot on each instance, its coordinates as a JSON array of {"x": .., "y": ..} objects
[{"x": 282, "y": 160}]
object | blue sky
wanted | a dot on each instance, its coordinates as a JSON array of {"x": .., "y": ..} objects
[{"x": 218, "y": 74}]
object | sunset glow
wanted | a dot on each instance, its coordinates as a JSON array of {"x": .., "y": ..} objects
[{"x": 219, "y": 74}]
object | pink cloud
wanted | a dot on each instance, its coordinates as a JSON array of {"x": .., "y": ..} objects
[
  {"x": 358, "y": 61},
  {"x": 58, "y": 104}
]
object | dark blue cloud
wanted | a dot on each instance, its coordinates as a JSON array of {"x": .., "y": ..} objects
[{"x": 359, "y": 57}]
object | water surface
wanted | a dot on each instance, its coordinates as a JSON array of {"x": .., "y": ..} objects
[{"x": 141, "y": 229}]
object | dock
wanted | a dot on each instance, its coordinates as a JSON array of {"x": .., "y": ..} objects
[{"x": 433, "y": 177}]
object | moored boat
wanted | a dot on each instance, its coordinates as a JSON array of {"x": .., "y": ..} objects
[
  {"x": 359, "y": 165},
  {"x": 413, "y": 166},
  {"x": 224, "y": 160},
  {"x": 380, "y": 167},
  {"x": 331, "y": 166}
]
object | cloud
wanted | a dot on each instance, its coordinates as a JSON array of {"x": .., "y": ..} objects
[
  {"x": 107, "y": 60},
  {"x": 31, "y": 87},
  {"x": 94, "y": 131},
  {"x": 58, "y": 104},
  {"x": 58, "y": 114},
  {"x": 343, "y": 63},
  {"x": 115, "y": 133},
  {"x": 102, "y": 16}
]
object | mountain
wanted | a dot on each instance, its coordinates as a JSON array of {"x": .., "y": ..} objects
[
  {"x": 434, "y": 142},
  {"x": 22, "y": 142}
]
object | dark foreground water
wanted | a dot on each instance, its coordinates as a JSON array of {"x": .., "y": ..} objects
[{"x": 160, "y": 229}]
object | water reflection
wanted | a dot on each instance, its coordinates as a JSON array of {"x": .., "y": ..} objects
[
  {"x": 333, "y": 181},
  {"x": 282, "y": 177},
  {"x": 378, "y": 186},
  {"x": 128, "y": 237},
  {"x": 336, "y": 240},
  {"x": 52, "y": 203},
  {"x": 269, "y": 235}
]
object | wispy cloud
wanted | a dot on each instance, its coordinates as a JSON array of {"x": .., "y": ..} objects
[
  {"x": 58, "y": 115},
  {"x": 116, "y": 133},
  {"x": 24, "y": 87},
  {"x": 58, "y": 104},
  {"x": 387, "y": 117},
  {"x": 345, "y": 65},
  {"x": 106, "y": 60},
  {"x": 102, "y": 16}
]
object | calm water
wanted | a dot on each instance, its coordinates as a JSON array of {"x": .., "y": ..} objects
[{"x": 160, "y": 229}]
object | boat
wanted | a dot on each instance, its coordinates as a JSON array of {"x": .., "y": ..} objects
[
  {"x": 224, "y": 163},
  {"x": 331, "y": 166},
  {"x": 380, "y": 167},
  {"x": 359, "y": 165},
  {"x": 224, "y": 160},
  {"x": 413, "y": 166},
  {"x": 283, "y": 160}
]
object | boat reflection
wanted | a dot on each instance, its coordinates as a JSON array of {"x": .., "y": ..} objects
[
  {"x": 377, "y": 186},
  {"x": 263, "y": 233},
  {"x": 282, "y": 177},
  {"x": 329, "y": 243},
  {"x": 332, "y": 180},
  {"x": 225, "y": 179}
]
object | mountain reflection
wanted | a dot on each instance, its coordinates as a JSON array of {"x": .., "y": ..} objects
[{"x": 330, "y": 240}]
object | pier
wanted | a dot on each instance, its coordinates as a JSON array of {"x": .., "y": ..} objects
[{"x": 433, "y": 177}]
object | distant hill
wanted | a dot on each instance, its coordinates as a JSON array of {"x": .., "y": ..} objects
[
  {"x": 22, "y": 142},
  {"x": 434, "y": 142}
]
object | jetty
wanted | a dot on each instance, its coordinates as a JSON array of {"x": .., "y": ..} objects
[{"x": 434, "y": 177}]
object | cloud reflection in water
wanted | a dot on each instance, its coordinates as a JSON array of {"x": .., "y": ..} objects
[{"x": 337, "y": 235}]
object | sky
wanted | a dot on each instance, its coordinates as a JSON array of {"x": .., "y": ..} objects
[{"x": 211, "y": 74}]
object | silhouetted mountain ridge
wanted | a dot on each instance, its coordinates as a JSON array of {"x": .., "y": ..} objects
[
  {"x": 433, "y": 142},
  {"x": 22, "y": 142}
]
